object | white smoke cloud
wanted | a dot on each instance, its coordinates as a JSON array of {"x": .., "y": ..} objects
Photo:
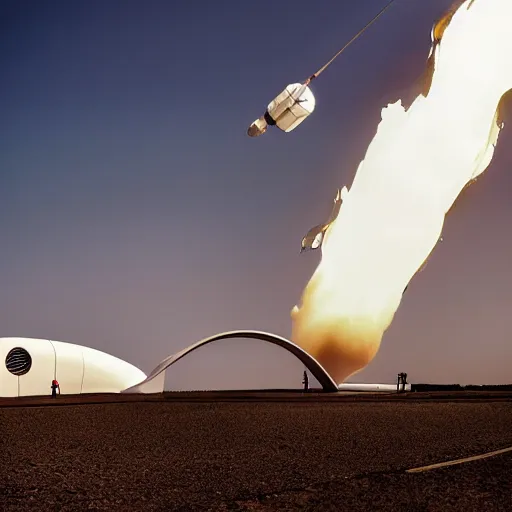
[{"x": 414, "y": 169}]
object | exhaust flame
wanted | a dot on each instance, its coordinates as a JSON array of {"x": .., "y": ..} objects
[{"x": 414, "y": 169}]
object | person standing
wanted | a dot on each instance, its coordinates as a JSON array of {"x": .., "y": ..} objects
[{"x": 305, "y": 381}]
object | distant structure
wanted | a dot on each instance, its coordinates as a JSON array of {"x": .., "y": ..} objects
[
  {"x": 370, "y": 388},
  {"x": 30, "y": 365},
  {"x": 401, "y": 382}
]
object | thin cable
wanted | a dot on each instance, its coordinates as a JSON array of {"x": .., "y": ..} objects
[{"x": 325, "y": 66}]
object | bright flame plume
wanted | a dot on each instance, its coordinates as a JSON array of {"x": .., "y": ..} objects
[{"x": 415, "y": 167}]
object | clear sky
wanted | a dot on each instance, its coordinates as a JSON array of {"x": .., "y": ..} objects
[{"x": 137, "y": 217}]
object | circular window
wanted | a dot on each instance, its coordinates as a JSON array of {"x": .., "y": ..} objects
[{"x": 18, "y": 361}]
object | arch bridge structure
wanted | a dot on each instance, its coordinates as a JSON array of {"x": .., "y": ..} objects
[{"x": 154, "y": 383}]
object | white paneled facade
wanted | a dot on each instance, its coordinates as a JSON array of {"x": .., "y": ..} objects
[{"x": 28, "y": 366}]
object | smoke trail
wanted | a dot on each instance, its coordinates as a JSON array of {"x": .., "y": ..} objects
[{"x": 414, "y": 169}]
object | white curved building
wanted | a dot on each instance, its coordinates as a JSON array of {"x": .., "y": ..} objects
[{"x": 28, "y": 366}]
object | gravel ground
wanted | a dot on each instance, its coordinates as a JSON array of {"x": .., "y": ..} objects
[{"x": 302, "y": 454}]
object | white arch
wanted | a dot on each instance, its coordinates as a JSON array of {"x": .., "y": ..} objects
[{"x": 154, "y": 383}]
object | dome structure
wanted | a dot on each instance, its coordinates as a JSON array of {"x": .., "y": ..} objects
[{"x": 28, "y": 366}]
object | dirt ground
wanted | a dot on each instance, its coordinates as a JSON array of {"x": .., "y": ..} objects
[{"x": 255, "y": 451}]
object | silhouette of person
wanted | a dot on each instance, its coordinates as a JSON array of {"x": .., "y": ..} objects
[{"x": 305, "y": 381}]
